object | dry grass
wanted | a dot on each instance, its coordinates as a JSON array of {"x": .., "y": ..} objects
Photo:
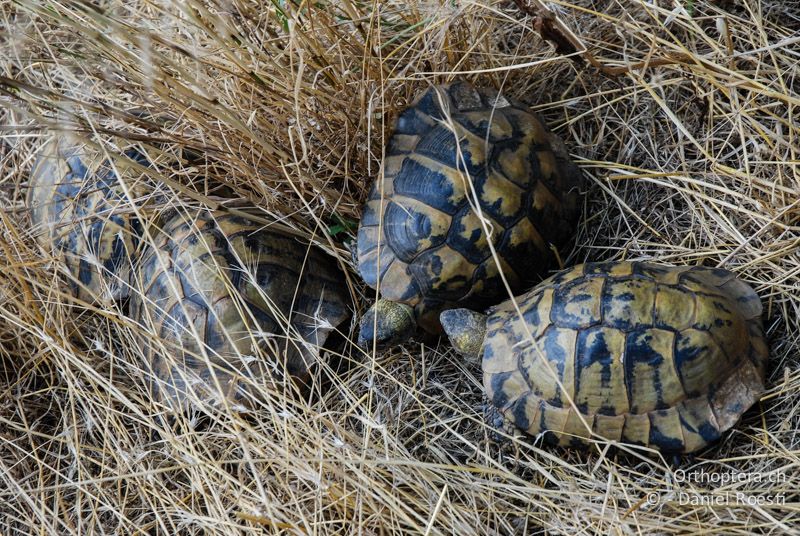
[{"x": 689, "y": 133}]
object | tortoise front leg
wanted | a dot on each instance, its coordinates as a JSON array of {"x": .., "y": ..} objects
[{"x": 500, "y": 427}]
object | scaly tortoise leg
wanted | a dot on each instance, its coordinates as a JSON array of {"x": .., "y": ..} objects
[{"x": 500, "y": 428}]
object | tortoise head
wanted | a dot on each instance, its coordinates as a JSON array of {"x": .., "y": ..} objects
[
  {"x": 386, "y": 323},
  {"x": 466, "y": 330}
]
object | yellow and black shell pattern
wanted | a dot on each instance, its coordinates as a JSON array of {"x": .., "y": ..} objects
[
  {"x": 456, "y": 155},
  {"x": 227, "y": 304},
  {"x": 647, "y": 354},
  {"x": 80, "y": 213}
]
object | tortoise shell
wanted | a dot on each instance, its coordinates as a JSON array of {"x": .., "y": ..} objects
[
  {"x": 459, "y": 153},
  {"x": 79, "y": 212},
  {"x": 668, "y": 357},
  {"x": 228, "y": 303}
]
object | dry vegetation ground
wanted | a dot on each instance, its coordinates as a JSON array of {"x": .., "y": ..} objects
[{"x": 685, "y": 122}]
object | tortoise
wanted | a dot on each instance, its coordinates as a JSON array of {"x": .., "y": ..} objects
[
  {"x": 79, "y": 211},
  {"x": 228, "y": 303},
  {"x": 641, "y": 353},
  {"x": 459, "y": 155}
]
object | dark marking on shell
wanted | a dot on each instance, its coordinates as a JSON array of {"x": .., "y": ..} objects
[
  {"x": 571, "y": 308},
  {"x": 429, "y": 105},
  {"x": 467, "y": 246},
  {"x": 427, "y": 269},
  {"x": 405, "y": 228},
  {"x": 638, "y": 350},
  {"x": 499, "y": 395},
  {"x": 683, "y": 354},
  {"x": 370, "y": 216},
  {"x": 520, "y": 415},
  {"x": 498, "y": 209},
  {"x": 426, "y": 185},
  {"x": 591, "y": 350},
  {"x": 650, "y": 271},
  {"x": 657, "y": 438},
  {"x": 525, "y": 259},
  {"x": 492, "y": 285},
  {"x": 557, "y": 356}
]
